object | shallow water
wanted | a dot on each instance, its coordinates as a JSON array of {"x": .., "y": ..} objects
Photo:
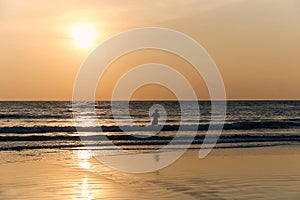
[{"x": 257, "y": 173}]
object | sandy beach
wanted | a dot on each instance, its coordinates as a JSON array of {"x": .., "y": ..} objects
[{"x": 247, "y": 173}]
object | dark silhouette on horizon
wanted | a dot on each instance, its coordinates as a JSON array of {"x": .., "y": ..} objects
[{"x": 155, "y": 116}]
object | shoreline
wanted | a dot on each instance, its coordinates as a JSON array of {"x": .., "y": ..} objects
[{"x": 266, "y": 172}]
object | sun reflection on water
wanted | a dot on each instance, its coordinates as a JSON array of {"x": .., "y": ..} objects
[
  {"x": 84, "y": 190},
  {"x": 84, "y": 157}
]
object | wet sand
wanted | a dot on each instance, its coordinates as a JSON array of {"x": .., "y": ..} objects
[{"x": 248, "y": 173}]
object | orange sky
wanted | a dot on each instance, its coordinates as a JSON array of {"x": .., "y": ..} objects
[{"x": 255, "y": 44}]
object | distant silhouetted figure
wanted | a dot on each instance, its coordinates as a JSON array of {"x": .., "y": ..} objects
[{"x": 155, "y": 116}]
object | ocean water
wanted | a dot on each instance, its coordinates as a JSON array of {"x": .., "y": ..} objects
[
  {"x": 50, "y": 124},
  {"x": 42, "y": 155}
]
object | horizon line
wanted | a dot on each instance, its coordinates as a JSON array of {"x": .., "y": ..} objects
[{"x": 20, "y": 100}]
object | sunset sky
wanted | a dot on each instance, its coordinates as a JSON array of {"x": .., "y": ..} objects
[{"x": 255, "y": 44}]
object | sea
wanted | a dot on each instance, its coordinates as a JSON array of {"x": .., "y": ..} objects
[
  {"x": 27, "y": 125},
  {"x": 48, "y": 150}
]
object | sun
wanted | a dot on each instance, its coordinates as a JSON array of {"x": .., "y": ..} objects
[{"x": 84, "y": 35}]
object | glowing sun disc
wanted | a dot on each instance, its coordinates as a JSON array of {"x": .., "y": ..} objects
[{"x": 84, "y": 35}]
